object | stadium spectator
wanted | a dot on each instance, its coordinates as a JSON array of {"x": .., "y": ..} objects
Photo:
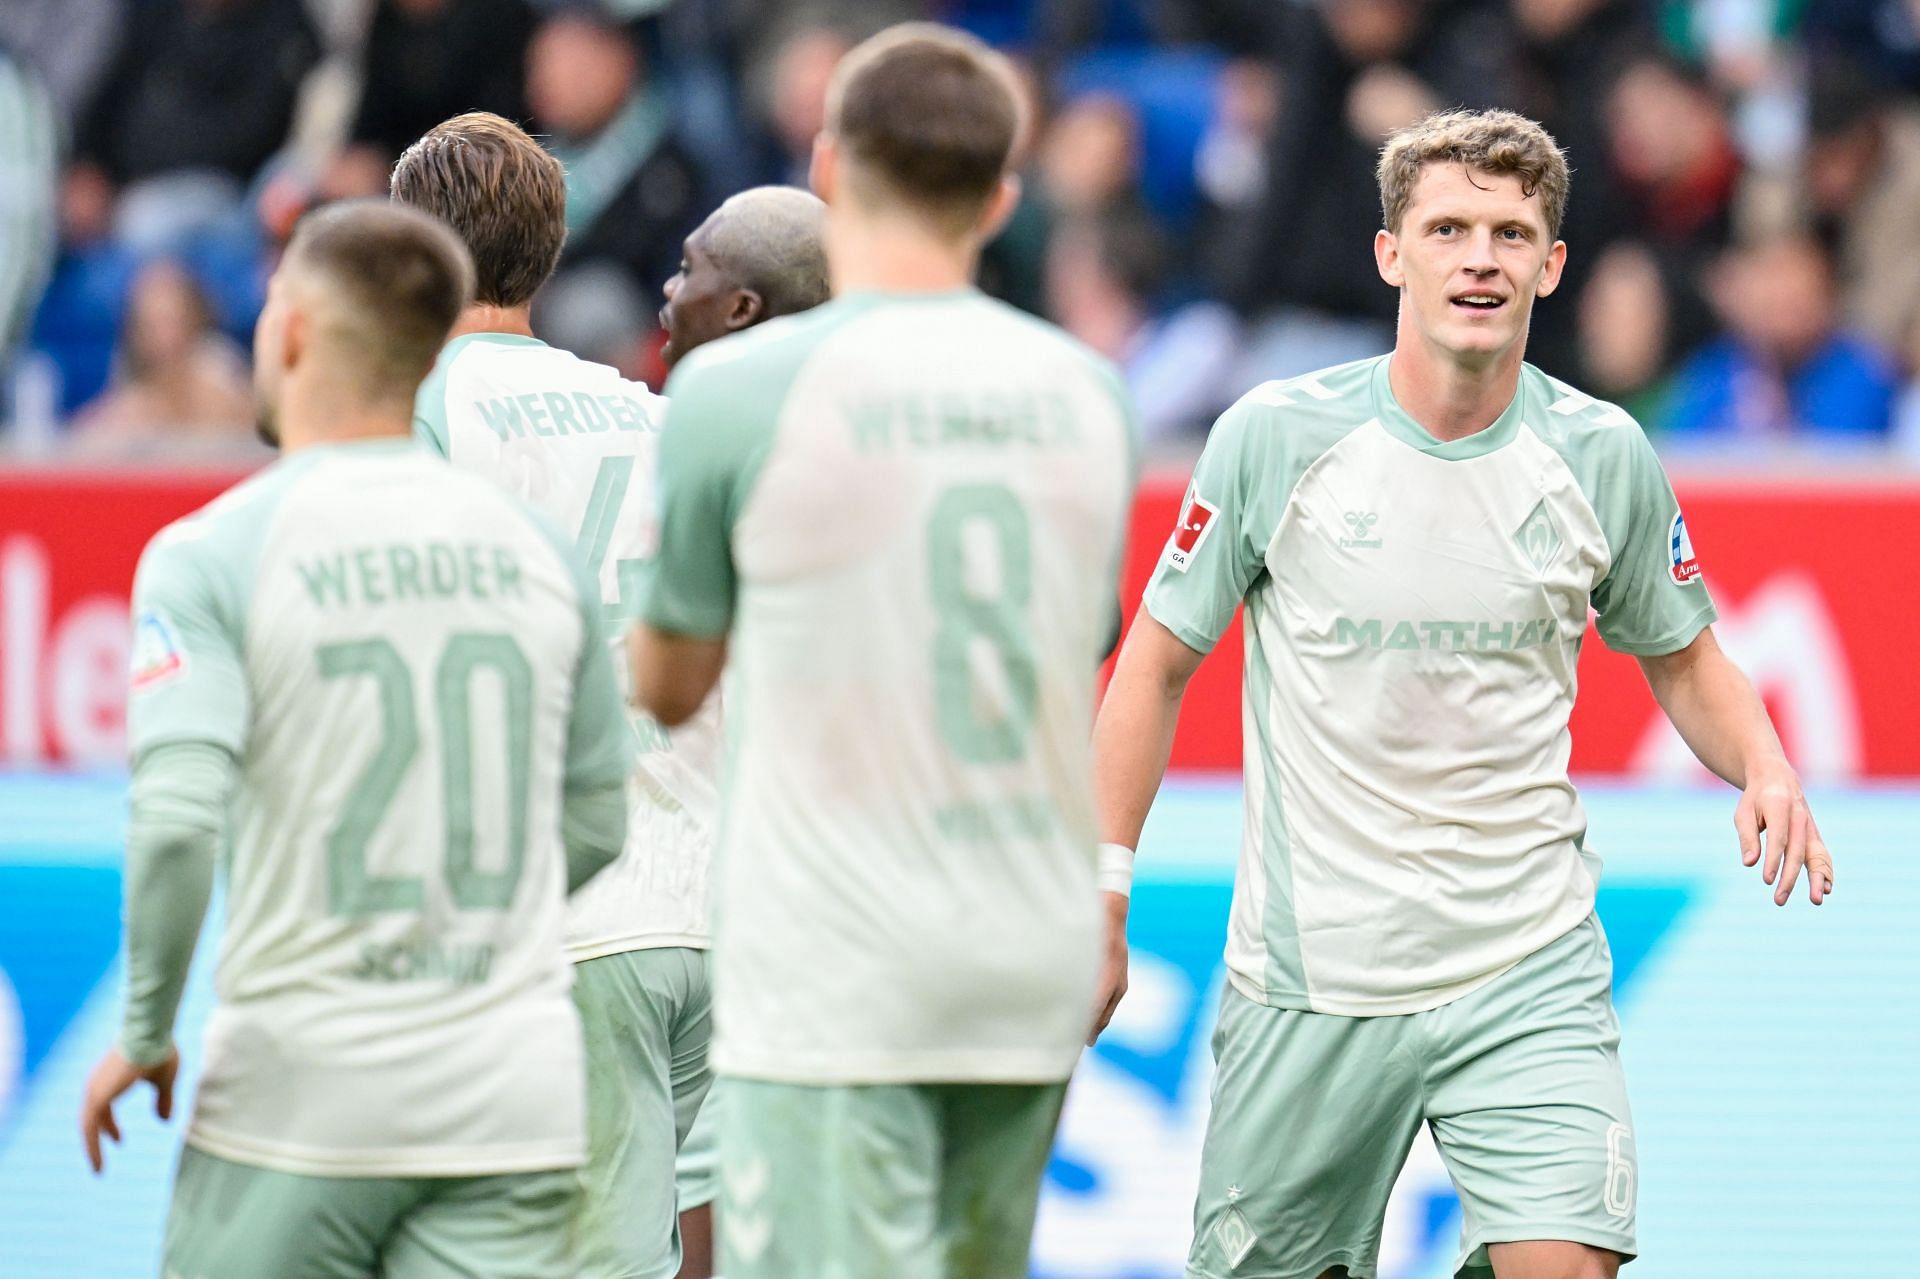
[
  {"x": 1785, "y": 369},
  {"x": 1672, "y": 149},
  {"x": 1557, "y": 64},
  {"x": 1884, "y": 35},
  {"x": 180, "y": 387},
  {"x": 200, "y": 95},
  {"x": 1352, "y": 71},
  {"x": 1105, "y": 276},
  {"x": 795, "y": 105},
  {"x": 632, "y": 192},
  {"x": 1863, "y": 182},
  {"x": 67, "y": 42},
  {"x": 1090, "y": 158},
  {"x": 427, "y": 60}
]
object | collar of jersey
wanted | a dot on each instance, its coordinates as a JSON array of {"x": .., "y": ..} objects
[
  {"x": 369, "y": 444},
  {"x": 1400, "y": 424},
  {"x": 868, "y": 297},
  {"x": 502, "y": 339}
]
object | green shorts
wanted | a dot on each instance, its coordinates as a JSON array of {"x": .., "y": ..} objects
[
  {"x": 644, "y": 1014},
  {"x": 234, "y": 1221},
  {"x": 882, "y": 1181},
  {"x": 696, "y": 1173},
  {"x": 1313, "y": 1115}
]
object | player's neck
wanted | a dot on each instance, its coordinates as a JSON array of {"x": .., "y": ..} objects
[
  {"x": 482, "y": 317},
  {"x": 1450, "y": 399},
  {"x": 869, "y": 253},
  {"x": 306, "y": 420}
]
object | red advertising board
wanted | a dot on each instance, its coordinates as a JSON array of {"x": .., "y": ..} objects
[
  {"x": 1818, "y": 582},
  {"x": 1818, "y": 585},
  {"x": 69, "y": 541}
]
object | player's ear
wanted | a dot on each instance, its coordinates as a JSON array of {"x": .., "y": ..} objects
[
  {"x": 1386, "y": 258},
  {"x": 1556, "y": 263},
  {"x": 1000, "y": 206},
  {"x": 294, "y": 336},
  {"x": 748, "y": 309},
  {"x": 823, "y": 170}
]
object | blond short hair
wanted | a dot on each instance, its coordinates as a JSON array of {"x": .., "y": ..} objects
[{"x": 1501, "y": 143}]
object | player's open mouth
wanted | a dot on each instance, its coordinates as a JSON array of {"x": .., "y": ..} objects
[
  {"x": 666, "y": 324},
  {"x": 1480, "y": 301}
]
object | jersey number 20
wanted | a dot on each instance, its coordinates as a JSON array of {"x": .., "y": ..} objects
[{"x": 354, "y": 890}]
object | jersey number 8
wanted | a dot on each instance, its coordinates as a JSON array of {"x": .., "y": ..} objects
[{"x": 999, "y": 617}]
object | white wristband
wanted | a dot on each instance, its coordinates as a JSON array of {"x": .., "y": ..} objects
[{"x": 1114, "y": 869}]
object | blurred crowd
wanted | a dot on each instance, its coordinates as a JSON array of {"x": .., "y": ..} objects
[{"x": 1744, "y": 230}]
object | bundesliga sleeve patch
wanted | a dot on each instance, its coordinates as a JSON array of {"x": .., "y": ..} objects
[
  {"x": 157, "y": 655},
  {"x": 1681, "y": 563},
  {"x": 1196, "y": 520}
]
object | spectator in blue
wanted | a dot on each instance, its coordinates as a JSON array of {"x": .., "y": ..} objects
[{"x": 1785, "y": 370}]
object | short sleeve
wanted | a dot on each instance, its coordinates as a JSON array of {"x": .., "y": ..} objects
[
  {"x": 714, "y": 441},
  {"x": 430, "y": 412},
  {"x": 189, "y": 679},
  {"x": 1217, "y": 550},
  {"x": 1653, "y": 599}
]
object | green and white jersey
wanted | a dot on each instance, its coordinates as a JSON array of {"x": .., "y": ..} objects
[
  {"x": 1414, "y": 612},
  {"x": 579, "y": 442},
  {"x": 409, "y": 670},
  {"x": 908, "y": 510}
]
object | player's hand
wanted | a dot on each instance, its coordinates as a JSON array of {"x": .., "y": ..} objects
[
  {"x": 1113, "y": 965},
  {"x": 112, "y": 1077},
  {"x": 1774, "y": 807}
]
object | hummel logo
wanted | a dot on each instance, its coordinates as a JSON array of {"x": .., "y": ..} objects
[{"x": 1360, "y": 523}]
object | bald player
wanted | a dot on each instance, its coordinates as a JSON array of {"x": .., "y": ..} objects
[
  {"x": 757, "y": 256},
  {"x": 578, "y": 441},
  {"x": 379, "y": 688}
]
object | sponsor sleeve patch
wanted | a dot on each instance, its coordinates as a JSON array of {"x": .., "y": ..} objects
[
  {"x": 157, "y": 655},
  {"x": 1681, "y": 562},
  {"x": 1196, "y": 521}
]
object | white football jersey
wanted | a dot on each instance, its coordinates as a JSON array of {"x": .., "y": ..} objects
[
  {"x": 578, "y": 441},
  {"x": 908, "y": 510},
  {"x": 409, "y": 668}
]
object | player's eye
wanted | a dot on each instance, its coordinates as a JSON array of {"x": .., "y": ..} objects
[
  {"x": 1512, "y": 233},
  {"x": 1445, "y": 229}
]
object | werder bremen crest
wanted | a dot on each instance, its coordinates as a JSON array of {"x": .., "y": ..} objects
[{"x": 1538, "y": 537}]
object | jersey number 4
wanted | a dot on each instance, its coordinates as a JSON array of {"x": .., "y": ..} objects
[
  {"x": 975, "y": 729},
  {"x": 354, "y": 890}
]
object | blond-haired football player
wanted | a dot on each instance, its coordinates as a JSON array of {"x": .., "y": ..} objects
[
  {"x": 1418, "y": 539},
  {"x": 578, "y": 441}
]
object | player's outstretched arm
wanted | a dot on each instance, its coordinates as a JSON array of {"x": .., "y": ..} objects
[
  {"x": 1724, "y": 722},
  {"x": 1132, "y": 742},
  {"x": 174, "y": 834}
]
